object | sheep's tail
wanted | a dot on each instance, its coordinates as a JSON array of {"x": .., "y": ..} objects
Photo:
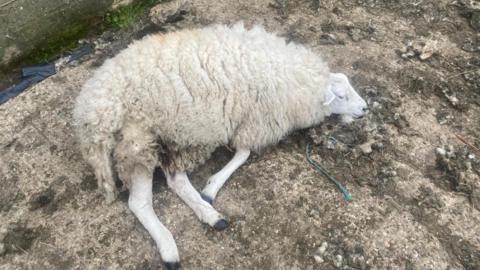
[
  {"x": 99, "y": 156},
  {"x": 97, "y": 141},
  {"x": 97, "y": 116}
]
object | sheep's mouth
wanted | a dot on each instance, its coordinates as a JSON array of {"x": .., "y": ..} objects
[{"x": 357, "y": 116}]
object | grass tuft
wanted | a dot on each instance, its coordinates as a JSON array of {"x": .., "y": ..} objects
[{"x": 126, "y": 16}]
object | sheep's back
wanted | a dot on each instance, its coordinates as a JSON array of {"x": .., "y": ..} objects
[{"x": 197, "y": 87}]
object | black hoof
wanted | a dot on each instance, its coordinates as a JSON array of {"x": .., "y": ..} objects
[
  {"x": 221, "y": 225},
  {"x": 172, "y": 265},
  {"x": 207, "y": 199}
]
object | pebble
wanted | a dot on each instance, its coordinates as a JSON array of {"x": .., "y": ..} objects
[
  {"x": 453, "y": 99},
  {"x": 323, "y": 247},
  {"x": 367, "y": 147},
  {"x": 338, "y": 261},
  {"x": 441, "y": 151},
  {"x": 2, "y": 249},
  {"x": 318, "y": 259},
  {"x": 314, "y": 213},
  {"x": 376, "y": 105},
  {"x": 329, "y": 39},
  {"x": 408, "y": 54},
  {"x": 428, "y": 50},
  {"x": 378, "y": 146},
  {"x": 331, "y": 142}
]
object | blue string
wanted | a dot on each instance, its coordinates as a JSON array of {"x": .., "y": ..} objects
[{"x": 346, "y": 195}]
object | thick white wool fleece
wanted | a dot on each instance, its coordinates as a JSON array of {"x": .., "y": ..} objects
[{"x": 177, "y": 96}]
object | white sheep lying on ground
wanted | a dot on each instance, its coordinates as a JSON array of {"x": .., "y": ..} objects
[{"x": 170, "y": 100}]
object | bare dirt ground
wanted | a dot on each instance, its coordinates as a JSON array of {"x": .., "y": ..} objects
[{"x": 417, "y": 63}]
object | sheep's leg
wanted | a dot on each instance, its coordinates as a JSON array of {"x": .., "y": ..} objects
[
  {"x": 216, "y": 181},
  {"x": 140, "y": 202},
  {"x": 205, "y": 212}
]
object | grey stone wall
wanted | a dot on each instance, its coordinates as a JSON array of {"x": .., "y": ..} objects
[{"x": 27, "y": 24}]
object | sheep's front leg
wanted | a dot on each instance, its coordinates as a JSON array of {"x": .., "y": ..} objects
[
  {"x": 140, "y": 202},
  {"x": 216, "y": 181},
  {"x": 204, "y": 211}
]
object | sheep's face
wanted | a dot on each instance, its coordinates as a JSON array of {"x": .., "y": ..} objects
[{"x": 343, "y": 99}]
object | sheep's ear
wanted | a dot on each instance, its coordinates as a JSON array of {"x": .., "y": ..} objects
[
  {"x": 339, "y": 84},
  {"x": 329, "y": 95}
]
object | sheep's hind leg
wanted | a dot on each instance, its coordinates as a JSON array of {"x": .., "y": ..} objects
[
  {"x": 216, "y": 181},
  {"x": 140, "y": 202},
  {"x": 180, "y": 183}
]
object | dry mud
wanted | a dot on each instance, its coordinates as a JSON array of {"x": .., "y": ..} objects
[{"x": 412, "y": 165}]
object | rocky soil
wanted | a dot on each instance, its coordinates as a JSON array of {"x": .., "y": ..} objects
[{"x": 412, "y": 164}]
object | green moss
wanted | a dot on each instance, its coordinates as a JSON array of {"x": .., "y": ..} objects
[
  {"x": 66, "y": 39},
  {"x": 126, "y": 16},
  {"x": 60, "y": 43}
]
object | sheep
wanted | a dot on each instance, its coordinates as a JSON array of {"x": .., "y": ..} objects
[{"x": 170, "y": 99}]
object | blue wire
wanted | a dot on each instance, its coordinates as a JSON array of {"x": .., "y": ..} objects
[{"x": 346, "y": 195}]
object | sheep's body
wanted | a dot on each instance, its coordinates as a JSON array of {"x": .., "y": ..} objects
[
  {"x": 171, "y": 99},
  {"x": 176, "y": 97}
]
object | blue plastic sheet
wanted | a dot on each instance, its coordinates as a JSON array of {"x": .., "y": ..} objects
[
  {"x": 30, "y": 75},
  {"x": 37, "y": 73}
]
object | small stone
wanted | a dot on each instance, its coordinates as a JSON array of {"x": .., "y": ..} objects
[
  {"x": 441, "y": 151},
  {"x": 314, "y": 213},
  {"x": 330, "y": 39},
  {"x": 331, "y": 142},
  {"x": 428, "y": 50},
  {"x": 471, "y": 156},
  {"x": 453, "y": 99},
  {"x": 376, "y": 105},
  {"x": 366, "y": 148},
  {"x": 318, "y": 259},
  {"x": 378, "y": 146},
  {"x": 408, "y": 54},
  {"x": 323, "y": 247},
  {"x": 2, "y": 249},
  {"x": 403, "y": 50},
  {"x": 338, "y": 261}
]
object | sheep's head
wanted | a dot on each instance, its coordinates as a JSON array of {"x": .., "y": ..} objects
[{"x": 343, "y": 99}]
